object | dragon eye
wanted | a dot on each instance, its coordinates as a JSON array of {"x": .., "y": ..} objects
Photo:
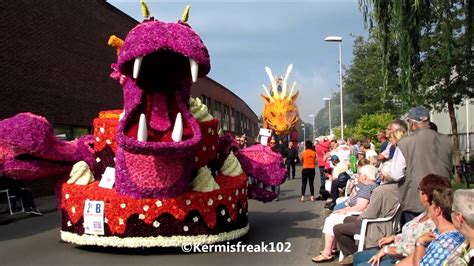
[{"x": 273, "y": 114}]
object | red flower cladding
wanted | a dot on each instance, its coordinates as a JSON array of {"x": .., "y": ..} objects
[
  {"x": 118, "y": 208},
  {"x": 105, "y": 128},
  {"x": 207, "y": 148}
]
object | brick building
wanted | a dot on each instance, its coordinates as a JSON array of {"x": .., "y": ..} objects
[
  {"x": 235, "y": 115},
  {"x": 55, "y": 62}
]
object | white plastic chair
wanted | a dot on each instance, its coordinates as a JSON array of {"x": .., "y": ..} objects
[
  {"x": 9, "y": 202},
  {"x": 365, "y": 222}
]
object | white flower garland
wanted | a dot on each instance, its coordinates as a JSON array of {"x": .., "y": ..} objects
[{"x": 145, "y": 242}]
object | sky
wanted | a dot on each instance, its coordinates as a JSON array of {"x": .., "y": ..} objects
[{"x": 245, "y": 36}]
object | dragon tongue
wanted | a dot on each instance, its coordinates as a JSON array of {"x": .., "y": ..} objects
[{"x": 159, "y": 118}]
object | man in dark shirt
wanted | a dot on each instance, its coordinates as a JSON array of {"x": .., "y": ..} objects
[
  {"x": 282, "y": 148},
  {"x": 382, "y": 137},
  {"x": 291, "y": 159}
]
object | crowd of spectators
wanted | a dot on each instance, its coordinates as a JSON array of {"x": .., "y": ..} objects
[{"x": 406, "y": 182}]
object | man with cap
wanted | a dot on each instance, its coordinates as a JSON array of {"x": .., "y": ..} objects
[
  {"x": 339, "y": 179},
  {"x": 423, "y": 152}
]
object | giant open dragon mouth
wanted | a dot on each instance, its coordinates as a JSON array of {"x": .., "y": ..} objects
[
  {"x": 164, "y": 78},
  {"x": 160, "y": 68}
]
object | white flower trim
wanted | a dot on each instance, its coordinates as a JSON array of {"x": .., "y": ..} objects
[{"x": 145, "y": 242}]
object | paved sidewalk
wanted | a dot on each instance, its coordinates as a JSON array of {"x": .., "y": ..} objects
[
  {"x": 45, "y": 204},
  {"x": 287, "y": 220}
]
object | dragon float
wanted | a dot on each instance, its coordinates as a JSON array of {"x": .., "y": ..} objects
[
  {"x": 280, "y": 112},
  {"x": 174, "y": 179}
]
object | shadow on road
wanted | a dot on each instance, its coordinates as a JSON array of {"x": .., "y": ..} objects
[
  {"x": 268, "y": 227},
  {"x": 29, "y": 227}
]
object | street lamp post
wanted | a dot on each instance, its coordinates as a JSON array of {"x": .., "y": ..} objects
[
  {"x": 330, "y": 126},
  {"x": 304, "y": 133},
  {"x": 468, "y": 140},
  {"x": 339, "y": 41},
  {"x": 314, "y": 129}
]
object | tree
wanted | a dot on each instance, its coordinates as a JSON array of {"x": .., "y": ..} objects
[
  {"x": 370, "y": 125},
  {"x": 446, "y": 72},
  {"x": 435, "y": 50},
  {"x": 400, "y": 23},
  {"x": 364, "y": 80},
  {"x": 322, "y": 117}
]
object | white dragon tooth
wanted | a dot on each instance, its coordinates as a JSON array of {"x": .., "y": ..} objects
[
  {"x": 194, "y": 69},
  {"x": 142, "y": 134},
  {"x": 292, "y": 88},
  {"x": 285, "y": 81},
  {"x": 272, "y": 80},
  {"x": 136, "y": 66},
  {"x": 269, "y": 96},
  {"x": 177, "y": 134}
]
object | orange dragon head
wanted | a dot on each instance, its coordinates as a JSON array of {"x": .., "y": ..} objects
[{"x": 280, "y": 112}]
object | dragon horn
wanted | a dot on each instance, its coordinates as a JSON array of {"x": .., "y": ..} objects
[
  {"x": 145, "y": 10},
  {"x": 272, "y": 79},
  {"x": 115, "y": 42},
  {"x": 285, "y": 81},
  {"x": 185, "y": 17},
  {"x": 292, "y": 88},
  {"x": 269, "y": 96}
]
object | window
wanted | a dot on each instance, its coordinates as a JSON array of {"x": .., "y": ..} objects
[
  {"x": 248, "y": 125},
  {"x": 218, "y": 111},
  {"x": 226, "y": 118},
  {"x": 63, "y": 132},
  {"x": 232, "y": 119},
  {"x": 206, "y": 100},
  {"x": 70, "y": 132},
  {"x": 237, "y": 121},
  {"x": 79, "y": 131}
]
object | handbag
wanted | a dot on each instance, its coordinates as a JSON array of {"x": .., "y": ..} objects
[{"x": 343, "y": 177}]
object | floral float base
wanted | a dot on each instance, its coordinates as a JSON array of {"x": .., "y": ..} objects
[{"x": 192, "y": 217}]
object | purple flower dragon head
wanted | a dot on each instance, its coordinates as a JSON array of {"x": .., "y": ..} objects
[{"x": 158, "y": 135}]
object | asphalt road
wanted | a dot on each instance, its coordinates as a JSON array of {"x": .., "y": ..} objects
[{"x": 36, "y": 240}]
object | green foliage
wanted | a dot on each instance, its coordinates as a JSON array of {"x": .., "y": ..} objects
[
  {"x": 337, "y": 132},
  {"x": 447, "y": 70},
  {"x": 435, "y": 50},
  {"x": 322, "y": 117},
  {"x": 397, "y": 22},
  {"x": 364, "y": 91},
  {"x": 434, "y": 41},
  {"x": 370, "y": 125},
  {"x": 367, "y": 126}
]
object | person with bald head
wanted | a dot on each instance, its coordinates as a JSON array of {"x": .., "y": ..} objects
[{"x": 423, "y": 152}]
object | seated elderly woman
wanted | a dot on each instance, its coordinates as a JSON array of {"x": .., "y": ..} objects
[
  {"x": 351, "y": 186},
  {"x": 395, "y": 247},
  {"x": 383, "y": 203},
  {"x": 462, "y": 215},
  {"x": 434, "y": 247},
  {"x": 357, "y": 202}
]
